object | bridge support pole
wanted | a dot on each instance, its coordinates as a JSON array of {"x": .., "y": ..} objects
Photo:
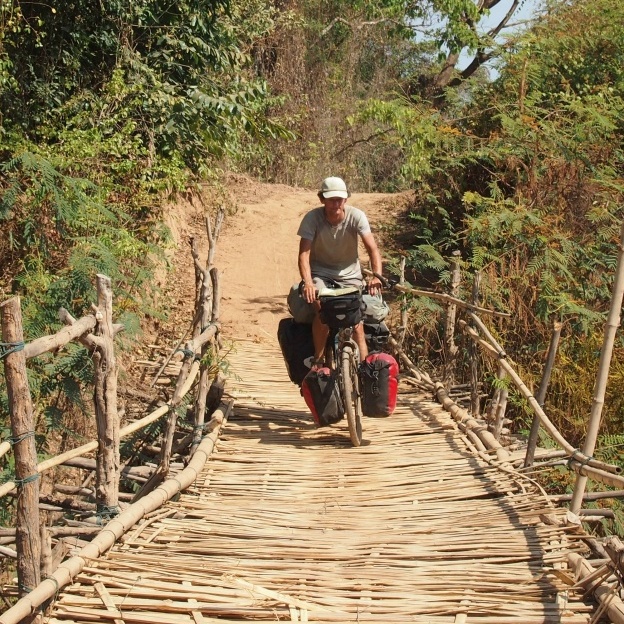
[
  {"x": 541, "y": 393},
  {"x": 404, "y": 316},
  {"x": 105, "y": 398},
  {"x": 475, "y": 399},
  {"x": 207, "y": 296},
  {"x": 27, "y": 535},
  {"x": 611, "y": 327},
  {"x": 450, "y": 347}
]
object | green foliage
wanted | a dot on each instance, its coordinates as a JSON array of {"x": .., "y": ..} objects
[
  {"x": 60, "y": 234},
  {"x": 164, "y": 83},
  {"x": 577, "y": 50},
  {"x": 458, "y": 18},
  {"x": 106, "y": 109},
  {"x": 416, "y": 134},
  {"x": 611, "y": 448},
  {"x": 322, "y": 61},
  {"x": 524, "y": 177}
]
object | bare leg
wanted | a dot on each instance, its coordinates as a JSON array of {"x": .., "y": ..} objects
[
  {"x": 360, "y": 338},
  {"x": 319, "y": 335}
]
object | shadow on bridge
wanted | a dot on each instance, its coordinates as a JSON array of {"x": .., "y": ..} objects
[{"x": 470, "y": 536}]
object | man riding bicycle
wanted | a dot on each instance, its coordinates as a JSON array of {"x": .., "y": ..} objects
[{"x": 328, "y": 254}]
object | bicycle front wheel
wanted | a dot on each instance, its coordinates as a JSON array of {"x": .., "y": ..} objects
[{"x": 351, "y": 395}]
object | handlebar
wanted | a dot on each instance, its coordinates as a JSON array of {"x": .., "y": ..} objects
[{"x": 385, "y": 281}]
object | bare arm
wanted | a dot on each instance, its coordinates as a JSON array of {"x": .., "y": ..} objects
[
  {"x": 374, "y": 284},
  {"x": 305, "y": 247}
]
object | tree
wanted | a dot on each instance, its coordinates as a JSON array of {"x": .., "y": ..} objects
[{"x": 460, "y": 33}]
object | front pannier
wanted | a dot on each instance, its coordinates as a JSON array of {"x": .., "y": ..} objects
[
  {"x": 378, "y": 376},
  {"x": 375, "y": 309},
  {"x": 297, "y": 345},
  {"x": 377, "y": 336},
  {"x": 322, "y": 396},
  {"x": 341, "y": 310}
]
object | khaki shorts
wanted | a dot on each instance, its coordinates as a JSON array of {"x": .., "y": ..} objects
[{"x": 301, "y": 310}]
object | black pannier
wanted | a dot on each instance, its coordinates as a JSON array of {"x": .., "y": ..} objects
[
  {"x": 377, "y": 335},
  {"x": 341, "y": 310},
  {"x": 295, "y": 340},
  {"x": 322, "y": 395}
]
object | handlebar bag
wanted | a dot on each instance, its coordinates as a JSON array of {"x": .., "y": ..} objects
[
  {"x": 342, "y": 310},
  {"x": 379, "y": 381},
  {"x": 322, "y": 396}
]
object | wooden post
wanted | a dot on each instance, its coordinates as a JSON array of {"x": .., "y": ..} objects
[
  {"x": 615, "y": 549},
  {"x": 474, "y": 355},
  {"x": 207, "y": 312},
  {"x": 541, "y": 393},
  {"x": 450, "y": 346},
  {"x": 204, "y": 313},
  {"x": 27, "y": 536},
  {"x": 216, "y": 296},
  {"x": 404, "y": 320},
  {"x": 499, "y": 403},
  {"x": 499, "y": 415},
  {"x": 170, "y": 425},
  {"x": 213, "y": 235},
  {"x": 611, "y": 327},
  {"x": 46, "y": 551},
  {"x": 208, "y": 389},
  {"x": 105, "y": 394}
]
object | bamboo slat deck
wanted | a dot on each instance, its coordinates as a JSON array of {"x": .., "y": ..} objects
[{"x": 290, "y": 523}]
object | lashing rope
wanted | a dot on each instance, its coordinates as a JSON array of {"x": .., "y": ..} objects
[{"x": 6, "y": 348}]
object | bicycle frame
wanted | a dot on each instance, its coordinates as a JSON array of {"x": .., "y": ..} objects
[
  {"x": 337, "y": 339},
  {"x": 342, "y": 354}
]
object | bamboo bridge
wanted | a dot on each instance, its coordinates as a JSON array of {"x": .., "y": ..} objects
[
  {"x": 287, "y": 522},
  {"x": 268, "y": 518}
]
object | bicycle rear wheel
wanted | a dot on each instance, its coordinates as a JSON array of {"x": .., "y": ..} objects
[{"x": 351, "y": 395}]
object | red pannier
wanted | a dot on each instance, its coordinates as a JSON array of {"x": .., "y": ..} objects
[
  {"x": 322, "y": 396},
  {"x": 379, "y": 380}
]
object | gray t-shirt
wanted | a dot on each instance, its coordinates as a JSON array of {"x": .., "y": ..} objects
[{"x": 334, "y": 252}]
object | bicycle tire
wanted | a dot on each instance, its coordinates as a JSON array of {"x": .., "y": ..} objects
[{"x": 351, "y": 395}]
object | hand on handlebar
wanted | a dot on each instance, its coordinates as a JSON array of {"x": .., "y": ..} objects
[
  {"x": 309, "y": 292},
  {"x": 374, "y": 286}
]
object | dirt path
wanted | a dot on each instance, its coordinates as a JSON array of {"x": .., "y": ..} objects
[{"x": 257, "y": 251}]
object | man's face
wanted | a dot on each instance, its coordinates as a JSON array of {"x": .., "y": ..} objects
[{"x": 333, "y": 204}]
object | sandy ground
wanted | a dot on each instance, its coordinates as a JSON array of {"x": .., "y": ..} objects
[{"x": 257, "y": 251}]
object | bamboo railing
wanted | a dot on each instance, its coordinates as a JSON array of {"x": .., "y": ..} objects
[
  {"x": 97, "y": 332},
  {"x": 605, "y": 583},
  {"x": 115, "y": 528},
  {"x": 486, "y": 435}
]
